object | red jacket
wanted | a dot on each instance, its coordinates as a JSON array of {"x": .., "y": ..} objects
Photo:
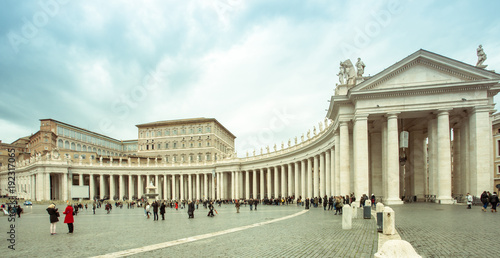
[{"x": 69, "y": 214}]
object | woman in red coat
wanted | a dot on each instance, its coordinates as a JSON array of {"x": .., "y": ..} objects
[{"x": 69, "y": 217}]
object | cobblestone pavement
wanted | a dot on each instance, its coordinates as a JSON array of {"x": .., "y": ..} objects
[
  {"x": 448, "y": 230},
  {"x": 316, "y": 233}
]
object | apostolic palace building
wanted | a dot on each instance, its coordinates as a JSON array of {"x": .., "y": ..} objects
[{"x": 424, "y": 126}]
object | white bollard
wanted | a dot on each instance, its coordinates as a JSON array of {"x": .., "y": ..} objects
[
  {"x": 346, "y": 217},
  {"x": 380, "y": 207},
  {"x": 389, "y": 221},
  {"x": 354, "y": 206}
]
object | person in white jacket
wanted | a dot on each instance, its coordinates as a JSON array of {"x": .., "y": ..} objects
[{"x": 469, "y": 201}]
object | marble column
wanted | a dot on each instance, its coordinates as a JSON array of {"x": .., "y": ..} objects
[
  {"x": 283, "y": 192},
  {"x": 480, "y": 134},
  {"x": 130, "y": 187},
  {"x": 190, "y": 187},
  {"x": 464, "y": 156},
  {"x": 419, "y": 164},
  {"x": 262, "y": 185},
  {"x": 336, "y": 173},
  {"x": 254, "y": 184},
  {"x": 303, "y": 179},
  {"x": 276, "y": 182},
  {"x": 433, "y": 156},
  {"x": 174, "y": 196},
  {"x": 222, "y": 186},
  {"x": 112, "y": 191},
  {"x": 65, "y": 186},
  {"x": 456, "y": 173},
  {"x": 121, "y": 188},
  {"x": 361, "y": 180},
  {"x": 269, "y": 183},
  {"x": 46, "y": 183},
  {"x": 328, "y": 176},
  {"x": 198, "y": 196},
  {"x": 233, "y": 194},
  {"x": 212, "y": 188},
  {"x": 290, "y": 191},
  {"x": 101, "y": 186},
  {"x": 376, "y": 164},
  {"x": 345, "y": 177},
  {"x": 181, "y": 187},
  {"x": 91, "y": 187},
  {"x": 444, "y": 158},
  {"x": 315, "y": 177},
  {"x": 392, "y": 161},
  {"x": 296, "y": 179},
  {"x": 247, "y": 185},
  {"x": 205, "y": 186},
  {"x": 309, "y": 179},
  {"x": 322, "y": 177}
]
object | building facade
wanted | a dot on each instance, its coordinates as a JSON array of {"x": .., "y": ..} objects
[{"x": 419, "y": 128}]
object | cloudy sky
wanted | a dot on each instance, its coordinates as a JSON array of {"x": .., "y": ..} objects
[{"x": 264, "y": 69}]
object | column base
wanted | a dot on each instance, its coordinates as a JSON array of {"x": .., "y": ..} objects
[
  {"x": 388, "y": 202},
  {"x": 445, "y": 201}
]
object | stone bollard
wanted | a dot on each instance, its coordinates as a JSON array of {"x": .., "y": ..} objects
[
  {"x": 397, "y": 248},
  {"x": 354, "y": 206},
  {"x": 380, "y": 207},
  {"x": 389, "y": 221},
  {"x": 346, "y": 217}
]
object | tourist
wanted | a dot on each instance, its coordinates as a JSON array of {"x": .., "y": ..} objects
[
  {"x": 338, "y": 206},
  {"x": 162, "y": 210},
  {"x": 147, "y": 209},
  {"x": 237, "y": 205},
  {"x": 330, "y": 203},
  {"x": 469, "y": 201},
  {"x": 68, "y": 219},
  {"x": 494, "y": 202},
  {"x": 93, "y": 207},
  {"x": 307, "y": 203},
  {"x": 191, "y": 209},
  {"x": 255, "y": 202},
  {"x": 250, "y": 202},
  {"x": 53, "y": 216},
  {"x": 373, "y": 201},
  {"x": 19, "y": 210},
  {"x": 155, "y": 210},
  {"x": 210, "y": 210},
  {"x": 176, "y": 205},
  {"x": 484, "y": 199}
]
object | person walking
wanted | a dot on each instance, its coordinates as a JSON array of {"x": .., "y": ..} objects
[
  {"x": 19, "y": 210},
  {"x": 255, "y": 202},
  {"x": 93, "y": 207},
  {"x": 237, "y": 205},
  {"x": 210, "y": 210},
  {"x": 325, "y": 202},
  {"x": 484, "y": 199},
  {"x": 162, "y": 210},
  {"x": 494, "y": 202},
  {"x": 469, "y": 201},
  {"x": 338, "y": 205},
  {"x": 147, "y": 209},
  {"x": 68, "y": 219},
  {"x": 374, "y": 204},
  {"x": 250, "y": 202},
  {"x": 155, "y": 210},
  {"x": 191, "y": 209},
  {"x": 54, "y": 218}
]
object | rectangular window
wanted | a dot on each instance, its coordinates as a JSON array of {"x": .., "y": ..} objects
[
  {"x": 166, "y": 145},
  {"x": 199, "y": 130},
  {"x": 498, "y": 148},
  {"x": 175, "y": 145},
  {"x": 159, "y": 146},
  {"x": 174, "y": 132},
  {"x": 208, "y": 157},
  {"x": 167, "y": 132},
  {"x": 498, "y": 170},
  {"x": 208, "y": 129}
]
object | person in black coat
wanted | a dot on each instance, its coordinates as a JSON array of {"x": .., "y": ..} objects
[
  {"x": 211, "y": 210},
  {"x": 191, "y": 209},
  {"x": 155, "y": 210},
  {"x": 53, "y": 216},
  {"x": 307, "y": 203},
  {"x": 162, "y": 210},
  {"x": 494, "y": 202}
]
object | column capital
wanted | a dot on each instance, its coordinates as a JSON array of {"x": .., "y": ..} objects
[
  {"x": 360, "y": 117},
  {"x": 444, "y": 111},
  {"x": 392, "y": 115},
  {"x": 481, "y": 109}
]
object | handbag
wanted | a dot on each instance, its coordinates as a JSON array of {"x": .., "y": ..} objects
[{"x": 57, "y": 214}]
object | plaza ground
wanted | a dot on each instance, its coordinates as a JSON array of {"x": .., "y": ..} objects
[{"x": 285, "y": 231}]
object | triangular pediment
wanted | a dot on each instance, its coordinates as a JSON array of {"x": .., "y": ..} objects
[{"x": 424, "y": 68}]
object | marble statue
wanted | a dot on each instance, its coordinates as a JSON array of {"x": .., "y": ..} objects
[
  {"x": 282, "y": 145},
  {"x": 289, "y": 142},
  {"x": 295, "y": 140},
  {"x": 320, "y": 125},
  {"x": 361, "y": 67},
  {"x": 314, "y": 130},
  {"x": 309, "y": 134},
  {"x": 247, "y": 154},
  {"x": 267, "y": 148},
  {"x": 481, "y": 57},
  {"x": 350, "y": 73},
  {"x": 254, "y": 152},
  {"x": 326, "y": 122},
  {"x": 151, "y": 184},
  {"x": 302, "y": 138},
  {"x": 274, "y": 147},
  {"x": 341, "y": 73},
  {"x": 261, "y": 151}
]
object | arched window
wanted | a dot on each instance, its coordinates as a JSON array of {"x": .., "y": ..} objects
[
  {"x": 78, "y": 147},
  {"x": 84, "y": 148},
  {"x": 94, "y": 150},
  {"x": 73, "y": 146},
  {"x": 66, "y": 145},
  {"x": 99, "y": 152},
  {"x": 60, "y": 144}
]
